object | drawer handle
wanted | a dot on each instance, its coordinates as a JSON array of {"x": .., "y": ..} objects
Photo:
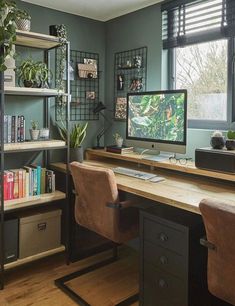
[
  {"x": 163, "y": 260},
  {"x": 42, "y": 226},
  {"x": 163, "y": 237},
  {"x": 162, "y": 283}
]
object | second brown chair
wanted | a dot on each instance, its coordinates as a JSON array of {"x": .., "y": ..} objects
[{"x": 99, "y": 209}]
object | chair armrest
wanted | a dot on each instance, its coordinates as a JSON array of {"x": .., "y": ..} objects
[
  {"x": 204, "y": 242},
  {"x": 121, "y": 205}
]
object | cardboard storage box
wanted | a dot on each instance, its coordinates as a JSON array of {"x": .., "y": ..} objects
[{"x": 39, "y": 233}]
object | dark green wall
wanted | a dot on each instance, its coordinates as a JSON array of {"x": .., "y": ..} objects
[
  {"x": 138, "y": 29},
  {"x": 84, "y": 34}
]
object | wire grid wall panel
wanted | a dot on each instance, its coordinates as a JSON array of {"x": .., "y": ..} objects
[
  {"x": 130, "y": 75},
  {"x": 84, "y": 86},
  {"x": 84, "y": 89}
]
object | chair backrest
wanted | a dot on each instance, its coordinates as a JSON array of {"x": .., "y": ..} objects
[
  {"x": 219, "y": 220},
  {"x": 95, "y": 188}
]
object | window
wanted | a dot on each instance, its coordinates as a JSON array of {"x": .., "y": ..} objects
[
  {"x": 202, "y": 70},
  {"x": 199, "y": 36}
]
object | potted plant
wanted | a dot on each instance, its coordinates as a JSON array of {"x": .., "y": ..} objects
[
  {"x": 33, "y": 74},
  {"x": 77, "y": 136},
  {"x": 34, "y": 131},
  {"x": 118, "y": 139},
  {"x": 23, "y": 21},
  {"x": 217, "y": 140},
  {"x": 9, "y": 15},
  {"x": 230, "y": 142}
]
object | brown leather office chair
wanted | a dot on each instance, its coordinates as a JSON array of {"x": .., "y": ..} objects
[
  {"x": 99, "y": 209},
  {"x": 219, "y": 220}
]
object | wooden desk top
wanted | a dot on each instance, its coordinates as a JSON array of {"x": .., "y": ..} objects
[
  {"x": 177, "y": 190},
  {"x": 138, "y": 159}
]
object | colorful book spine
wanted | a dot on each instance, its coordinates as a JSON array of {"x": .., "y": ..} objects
[
  {"x": 13, "y": 127},
  {"x": 43, "y": 180},
  {"x": 16, "y": 184},
  {"x": 5, "y": 129},
  {"x": 5, "y": 186},
  {"x": 20, "y": 173},
  {"x": 9, "y": 128},
  {"x": 27, "y": 184},
  {"x": 10, "y": 185}
]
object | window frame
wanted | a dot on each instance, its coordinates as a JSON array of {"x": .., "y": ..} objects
[{"x": 210, "y": 124}]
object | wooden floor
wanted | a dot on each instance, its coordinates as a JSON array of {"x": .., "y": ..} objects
[{"x": 34, "y": 283}]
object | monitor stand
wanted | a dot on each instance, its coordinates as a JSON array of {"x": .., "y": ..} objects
[{"x": 158, "y": 157}]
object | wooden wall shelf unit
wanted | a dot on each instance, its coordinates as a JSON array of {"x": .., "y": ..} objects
[
  {"x": 25, "y": 91},
  {"x": 59, "y": 198},
  {"x": 138, "y": 159},
  {"x": 29, "y": 259},
  {"x": 34, "y": 145},
  {"x": 36, "y": 40},
  {"x": 34, "y": 200}
]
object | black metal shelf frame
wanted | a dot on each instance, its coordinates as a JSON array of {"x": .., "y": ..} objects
[
  {"x": 130, "y": 75},
  {"x": 46, "y": 153}
]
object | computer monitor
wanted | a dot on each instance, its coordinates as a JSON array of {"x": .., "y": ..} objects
[{"x": 157, "y": 120}]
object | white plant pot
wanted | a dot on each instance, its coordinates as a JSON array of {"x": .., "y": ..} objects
[
  {"x": 34, "y": 134},
  {"x": 44, "y": 133},
  {"x": 23, "y": 24},
  {"x": 119, "y": 142}
]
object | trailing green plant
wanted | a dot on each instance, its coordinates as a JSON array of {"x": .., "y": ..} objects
[
  {"x": 62, "y": 35},
  {"x": 231, "y": 134},
  {"x": 34, "y": 74},
  {"x": 34, "y": 124},
  {"x": 77, "y": 134},
  {"x": 9, "y": 15}
]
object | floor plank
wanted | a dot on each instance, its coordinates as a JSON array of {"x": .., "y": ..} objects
[{"x": 34, "y": 284}]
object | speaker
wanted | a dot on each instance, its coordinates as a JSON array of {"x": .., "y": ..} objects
[
  {"x": 215, "y": 160},
  {"x": 11, "y": 240}
]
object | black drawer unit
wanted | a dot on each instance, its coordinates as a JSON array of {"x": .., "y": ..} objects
[{"x": 173, "y": 263}]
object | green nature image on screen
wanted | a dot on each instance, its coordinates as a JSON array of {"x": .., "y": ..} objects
[{"x": 157, "y": 116}]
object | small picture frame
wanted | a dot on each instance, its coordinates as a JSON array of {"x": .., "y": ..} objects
[
  {"x": 136, "y": 84},
  {"x": 120, "y": 82},
  {"x": 90, "y": 95},
  {"x": 120, "y": 108},
  {"x": 90, "y": 61}
]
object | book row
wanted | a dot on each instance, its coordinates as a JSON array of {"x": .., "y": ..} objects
[
  {"x": 28, "y": 181},
  {"x": 14, "y": 128}
]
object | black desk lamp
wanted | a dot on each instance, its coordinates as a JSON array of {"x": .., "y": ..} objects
[{"x": 98, "y": 110}]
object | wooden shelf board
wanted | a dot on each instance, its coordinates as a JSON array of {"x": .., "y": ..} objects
[
  {"x": 137, "y": 158},
  {"x": 25, "y": 91},
  {"x": 33, "y": 200},
  {"x": 36, "y": 40},
  {"x": 31, "y": 145},
  {"x": 32, "y": 258}
]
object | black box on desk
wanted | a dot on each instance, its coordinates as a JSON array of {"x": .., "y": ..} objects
[
  {"x": 11, "y": 240},
  {"x": 215, "y": 160}
]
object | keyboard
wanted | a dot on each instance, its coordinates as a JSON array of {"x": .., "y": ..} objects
[{"x": 134, "y": 173}]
